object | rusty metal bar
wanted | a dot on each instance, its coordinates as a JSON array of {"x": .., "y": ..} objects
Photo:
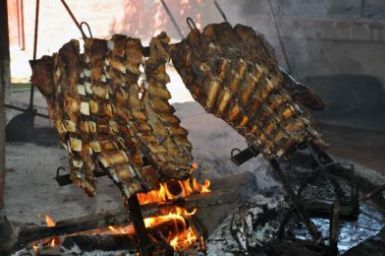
[
  {"x": 20, "y": 24},
  {"x": 35, "y": 38}
]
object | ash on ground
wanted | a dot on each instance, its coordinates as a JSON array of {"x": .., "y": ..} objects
[{"x": 250, "y": 229}]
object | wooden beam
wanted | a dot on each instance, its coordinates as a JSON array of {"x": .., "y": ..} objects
[{"x": 5, "y": 80}]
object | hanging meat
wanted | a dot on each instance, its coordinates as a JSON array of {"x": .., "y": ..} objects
[
  {"x": 110, "y": 108},
  {"x": 233, "y": 73}
]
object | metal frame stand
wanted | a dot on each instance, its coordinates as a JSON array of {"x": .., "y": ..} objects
[
  {"x": 301, "y": 211},
  {"x": 324, "y": 166}
]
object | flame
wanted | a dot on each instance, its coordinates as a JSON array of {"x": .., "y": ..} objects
[
  {"x": 49, "y": 221},
  {"x": 128, "y": 230},
  {"x": 184, "y": 239},
  {"x": 176, "y": 214},
  {"x": 180, "y": 235},
  {"x": 172, "y": 221},
  {"x": 54, "y": 241},
  {"x": 164, "y": 193}
]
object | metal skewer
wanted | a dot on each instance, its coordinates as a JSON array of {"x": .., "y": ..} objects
[{"x": 172, "y": 19}]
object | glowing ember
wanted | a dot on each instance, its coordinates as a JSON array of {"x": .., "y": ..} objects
[{"x": 129, "y": 229}]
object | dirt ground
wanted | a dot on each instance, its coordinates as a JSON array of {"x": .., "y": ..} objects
[{"x": 31, "y": 190}]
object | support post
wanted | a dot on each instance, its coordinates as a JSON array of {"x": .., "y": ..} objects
[
  {"x": 140, "y": 229},
  {"x": 5, "y": 79},
  {"x": 334, "y": 228}
]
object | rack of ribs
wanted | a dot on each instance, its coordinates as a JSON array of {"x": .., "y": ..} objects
[
  {"x": 233, "y": 73},
  {"x": 109, "y": 106}
]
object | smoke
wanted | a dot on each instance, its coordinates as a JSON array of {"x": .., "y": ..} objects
[
  {"x": 315, "y": 34},
  {"x": 146, "y": 18}
]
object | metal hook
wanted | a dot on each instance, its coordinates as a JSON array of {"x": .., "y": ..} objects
[
  {"x": 62, "y": 179},
  {"x": 191, "y": 23},
  {"x": 60, "y": 168},
  {"x": 88, "y": 28},
  {"x": 235, "y": 151}
]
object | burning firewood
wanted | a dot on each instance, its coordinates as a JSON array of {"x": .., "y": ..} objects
[
  {"x": 118, "y": 224},
  {"x": 110, "y": 108}
]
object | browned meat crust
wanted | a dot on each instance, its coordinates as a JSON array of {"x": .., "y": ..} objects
[
  {"x": 234, "y": 74},
  {"x": 110, "y": 108}
]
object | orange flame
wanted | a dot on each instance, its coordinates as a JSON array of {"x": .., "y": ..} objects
[
  {"x": 49, "y": 221},
  {"x": 172, "y": 220},
  {"x": 182, "y": 236},
  {"x": 184, "y": 239},
  {"x": 163, "y": 194}
]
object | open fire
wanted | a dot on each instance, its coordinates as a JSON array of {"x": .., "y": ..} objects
[
  {"x": 171, "y": 222},
  {"x": 183, "y": 235}
]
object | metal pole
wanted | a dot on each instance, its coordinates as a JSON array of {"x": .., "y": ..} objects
[
  {"x": 74, "y": 18},
  {"x": 277, "y": 29},
  {"x": 220, "y": 10},
  {"x": 172, "y": 19},
  {"x": 35, "y": 37}
]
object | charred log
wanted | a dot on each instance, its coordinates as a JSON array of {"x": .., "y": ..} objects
[{"x": 225, "y": 191}]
